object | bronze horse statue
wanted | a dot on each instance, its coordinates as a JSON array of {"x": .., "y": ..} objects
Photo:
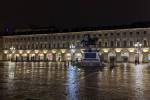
[{"x": 87, "y": 41}]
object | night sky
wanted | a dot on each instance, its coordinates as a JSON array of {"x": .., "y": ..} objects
[{"x": 72, "y": 13}]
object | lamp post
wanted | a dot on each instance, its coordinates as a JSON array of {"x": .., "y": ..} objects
[
  {"x": 12, "y": 49},
  {"x": 137, "y": 46},
  {"x": 72, "y": 47}
]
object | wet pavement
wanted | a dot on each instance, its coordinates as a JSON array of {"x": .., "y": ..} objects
[{"x": 54, "y": 81}]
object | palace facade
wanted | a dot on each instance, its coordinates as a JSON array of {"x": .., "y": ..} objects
[{"x": 123, "y": 44}]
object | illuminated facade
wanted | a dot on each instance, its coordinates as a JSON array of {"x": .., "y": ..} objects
[{"x": 123, "y": 44}]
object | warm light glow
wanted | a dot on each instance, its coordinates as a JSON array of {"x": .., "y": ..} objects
[
  {"x": 125, "y": 54},
  {"x": 20, "y": 51},
  {"x": 5, "y": 51},
  {"x": 78, "y": 54},
  {"x": 68, "y": 54},
  {"x": 36, "y": 51},
  {"x": 53, "y": 51},
  {"x": 63, "y": 50},
  {"x": 25, "y": 54},
  {"x": 131, "y": 49},
  {"x": 13, "y": 51},
  {"x": 41, "y": 54},
  {"x": 145, "y": 49},
  {"x": 105, "y": 50},
  {"x": 16, "y": 55},
  {"x": 28, "y": 51},
  {"x": 10, "y": 55},
  {"x": 45, "y": 51},
  {"x": 140, "y": 45},
  {"x": 32, "y": 54},
  {"x": 118, "y": 50}
]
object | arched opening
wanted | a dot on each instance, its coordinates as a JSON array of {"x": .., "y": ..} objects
[
  {"x": 58, "y": 57},
  {"x": 32, "y": 57},
  {"x": 49, "y": 57},
  {"x": 68, "y": 56},
  {"x": 17, "y": 57},
  {"x": 24, "y": 57},
  {"x": 125, "y": 56},
  {"x": 118, "y": 43},
  {"x": 106, "y": 44},
  {"x": 145, "y": 43},
  {"x": 112, "y": 44},
  {"x": 41, "y": 57},
  {"x": 125, "y": 43},
  {"x": 112, "y": 56},
  {"x": 78, "y": 57}
]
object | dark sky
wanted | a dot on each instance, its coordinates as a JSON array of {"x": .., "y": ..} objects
[{"x": 71, "y": 13}]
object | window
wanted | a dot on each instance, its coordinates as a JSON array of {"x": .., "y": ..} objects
[
  {"x": 131, "y": 43},
  {"x": 112, "y": 34},
  {"x": 68, "y": 45},
  {"x": 145, "y": 32},
  {"x": 124, "y": 33},
  {"x": 45, "y": 46},
  {"x": 131, "y": 33},
  {"x": 63, "y": 45},
  {"x": 40, "y": 46},
  {"x": 100, "y": 35},
  {"x": 54, "y": 45},
  {"x": 49, "y": 46},
  {"x": 100, "y": 44},
  {"x": 105, "y": 44},
  {"x": 32, "y": 46},
  {"x": 106, "y": 34},
  {"x": 137, "y": 33},
  {"x": 94, "y": 35},
  {"x": 118, "y": 34},
  {"x": 118, "y": 43},
  {"x": 125, "y": 43},
  {"x": 111, "y": 43},
  {"x": 73, "y": 36},
  {"x": 54, "y": 37},
  {"x": 68, "y": 37},
  {"x": 78, "y": 36},
  {"x": 64, "y": 37},
  {"x": 145, "y": 43},
  {"x": 57, "y": 45}
]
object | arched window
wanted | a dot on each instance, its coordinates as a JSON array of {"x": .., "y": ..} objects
[
  {"x": 131, "y": 43},
  {"x": 125, "y": 43},
  {"x": 57, "y": 45},
  {"x": 63, "y": 45},
  {"x": 54, "y": 45},
  {"x": 100, "y": 44},
  {"x": 105, "y": 44},
  {"x": 112, "y": 44},
  {"x": 118, "y": 43},
  {"x": 49, "y": 46}
]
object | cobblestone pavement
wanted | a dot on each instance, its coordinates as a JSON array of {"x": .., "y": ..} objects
[{"x": 54, "y": 81}]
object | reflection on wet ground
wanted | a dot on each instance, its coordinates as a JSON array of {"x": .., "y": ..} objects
[{"x": 54, "y": 81}]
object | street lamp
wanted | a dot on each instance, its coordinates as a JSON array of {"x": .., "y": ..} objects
[
  {"x": 138, "y": 46},
  {"x": 12, "y": 49},
  {"x": 72, "y": 47}
]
